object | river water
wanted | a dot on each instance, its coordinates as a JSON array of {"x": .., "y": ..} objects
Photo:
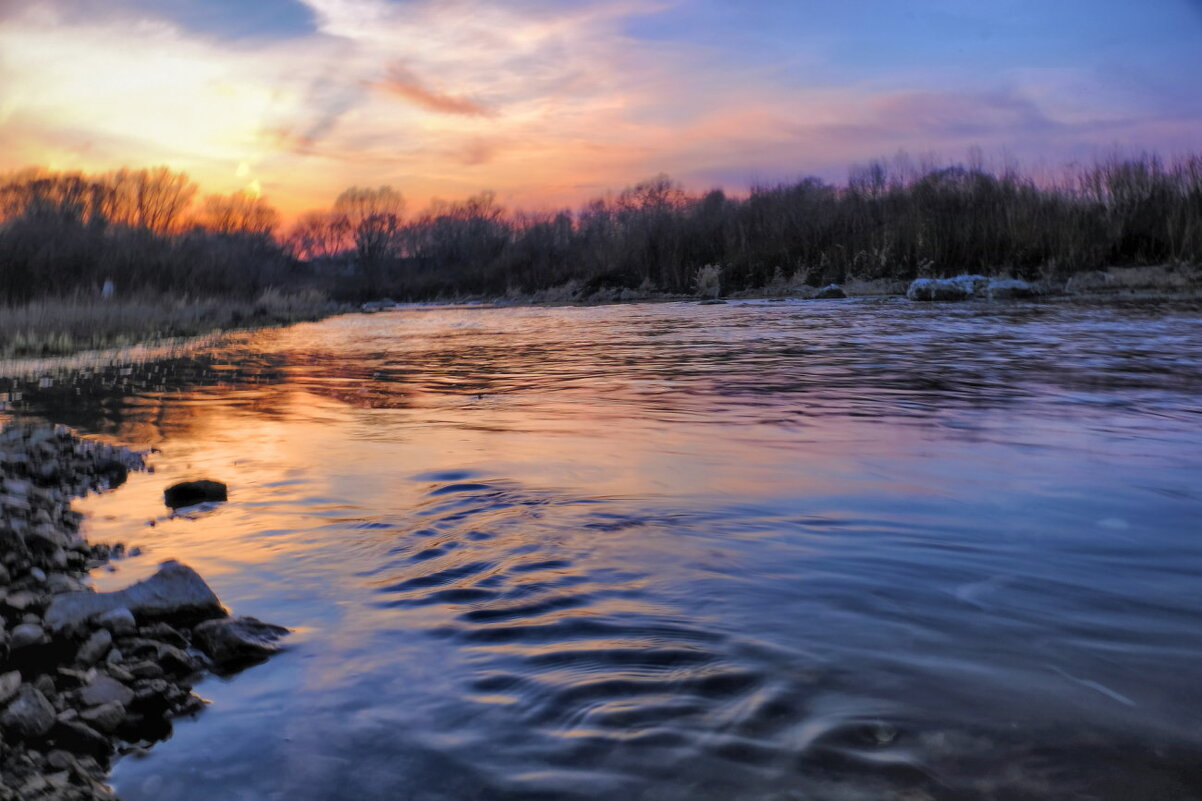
[{"x": 764, "y": 550}]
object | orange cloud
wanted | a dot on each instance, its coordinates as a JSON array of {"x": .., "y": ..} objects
[
  {"x": 547, "y": 103},
  {"x": 402, "y": 82}
]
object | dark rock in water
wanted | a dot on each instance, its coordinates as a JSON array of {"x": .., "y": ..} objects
[
  {"x": 830, "y": 292},
  {"x": 190, "y": 493},
  {"x": 233, "y": 641},
  {"x": 175, "y": 593},
  {"x": 112, "y": 472},
  {"x": 29, "y": 714},
  {"x": 712, "y": 302}
]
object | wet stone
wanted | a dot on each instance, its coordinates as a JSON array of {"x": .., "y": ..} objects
[
  {"x": 29, "y": 714},
  {"x": 96, "y": 646},
  {"x": 118, "y": 621},
  {"x": 229, "y": 641},
  {"x": 9, "y": 684},
  {"x": 106, "y": 717},
  {"x": 25, "y": 635},
  {"x": 191, "y": 493},
  {"x": 103, "y": 690}
]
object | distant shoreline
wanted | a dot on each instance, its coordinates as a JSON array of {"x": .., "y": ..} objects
[{"x": 59, "y": 333}]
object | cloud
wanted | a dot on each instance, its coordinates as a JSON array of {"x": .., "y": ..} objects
[
  {"x": 541, "y": 100},
  {"x": 401, "y": 82}
]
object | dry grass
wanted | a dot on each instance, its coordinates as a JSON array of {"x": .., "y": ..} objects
[
  {"x": 1171, "y": 279},
  {"x": 55, "y": 327}
]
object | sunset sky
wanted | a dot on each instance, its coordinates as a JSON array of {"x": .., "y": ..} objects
[{"x": 549, "y": 103}]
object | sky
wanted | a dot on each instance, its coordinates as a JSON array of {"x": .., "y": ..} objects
[{"x": 551, "y": 103}]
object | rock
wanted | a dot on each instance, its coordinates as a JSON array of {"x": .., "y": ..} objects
[
  {"x": 9, "y": 684},
  {"x": 105, "y": 690},
  {"x": 118, "y": 621},
  {"x": 190, "y": 493},
  {"x": 21, "y": 600},
  {"x": 61, "y": 760},
  {"x": 1009, "y": 289},
  {"x": 163, "y": 632},
  {"x": 830, "y": 292},
  {"x": 45, "y": 538},
  {"x": 58, "y": 583},
  {"x": 81, "y": 738},
  {"x": 961, "y": 287},
  {"x": 29, "y": 714},
  {"x": 96, "y": 646},
  {"x": 1089, "y": 282},
  {"x": 175, "y": 593},
  {"x": 230, "y": 641},
  {"x": 146, "y": 669},
  {"x": 106, "y": 717},
  {"x": 25, "y": 635}
]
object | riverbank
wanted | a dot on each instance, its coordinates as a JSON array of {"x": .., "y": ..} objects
[
  {"x": 1116, "y": 283},
  {"x": 58, "y": 327},
  {"x": 85, "y": 676}
]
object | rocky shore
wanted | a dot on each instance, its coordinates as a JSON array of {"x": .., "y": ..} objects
[{"x": 86, "y": 676}]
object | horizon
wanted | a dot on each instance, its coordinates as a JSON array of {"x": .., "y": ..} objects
[{"x": 550, "y": 105}]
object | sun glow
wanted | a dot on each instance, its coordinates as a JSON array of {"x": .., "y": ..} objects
[{"x": 547, "y": 105}]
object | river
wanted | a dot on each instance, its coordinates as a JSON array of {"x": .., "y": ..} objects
[{"x": 830, "y": 550}]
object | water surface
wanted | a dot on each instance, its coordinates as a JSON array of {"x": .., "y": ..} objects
[{"x": 820, "y": 550}]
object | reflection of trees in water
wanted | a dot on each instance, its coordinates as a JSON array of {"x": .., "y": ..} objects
[{"x": 893, "y": 363}]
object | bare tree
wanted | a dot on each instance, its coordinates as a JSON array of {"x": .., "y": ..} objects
[{"x": 238, "y": 212}]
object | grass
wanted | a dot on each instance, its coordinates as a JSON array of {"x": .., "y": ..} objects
[{"x": 57, "y": 327}]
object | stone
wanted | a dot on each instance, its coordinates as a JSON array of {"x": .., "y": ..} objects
[
  {"x": 25, "y": 635},
  {"x": 105, "y": 718},
  {"x": 163, "y": 632},
  {"x": 229, "y": 641},
  {"x": 119, "y": 621},
  {"x": 105, "y": 689},
  {"x": 190, "y": 493},
  {"x": 21, "y": 600},
  {"x": 176, "y": 660},
  {"x": 29, "y": 714},
  {"x": 45, "y": 538},
  {"x": 1010, "y": 289},
  {"x": 9, "y": 684},
  {"x": 830, "y": 292},
  {"x": 146, "y": 670},
  {"x": 174, "y": 593},
  {"x": 81, "y": 738},
  {"x": 96, "y": 646},
  {"x": 961, "y": 287},
  {"x": 58, "y": 583}
]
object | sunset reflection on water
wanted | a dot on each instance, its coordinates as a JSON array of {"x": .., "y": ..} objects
[{"x": 673, "y": 551}]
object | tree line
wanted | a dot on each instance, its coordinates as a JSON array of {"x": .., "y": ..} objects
[
  {"x": 64, "y": 233},
  {"x": 894, "y": 220}
]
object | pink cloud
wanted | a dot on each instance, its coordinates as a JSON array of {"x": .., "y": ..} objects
[{"x": 401, "y": 81}]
